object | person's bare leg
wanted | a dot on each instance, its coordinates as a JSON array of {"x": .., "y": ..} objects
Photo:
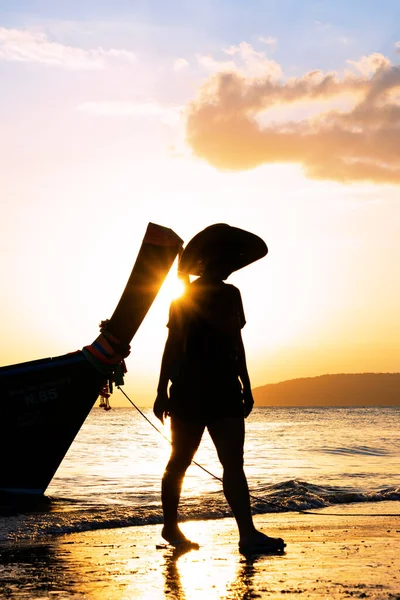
[
  {"x": 228, "y": 437},
  {"x": 185, "y": 439}
]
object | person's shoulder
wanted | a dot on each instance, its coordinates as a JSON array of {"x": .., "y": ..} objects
[
  {"x": 231, "y": 289},
  {"x": 230, "y": 286},
  {"x": 184, "y": 302},
  {"x": 231, "y": 294},
  {"x": 177, "y": 314},
  {"x": 178, "y": 304}
]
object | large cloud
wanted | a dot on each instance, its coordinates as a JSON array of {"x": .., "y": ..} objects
[{"x": 230, "y": 123}]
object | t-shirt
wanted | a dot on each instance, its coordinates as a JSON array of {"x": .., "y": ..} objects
[{"x": 208, "y": 319}]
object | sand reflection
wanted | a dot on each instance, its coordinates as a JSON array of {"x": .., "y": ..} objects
[
  {"x": 215, "y": 571},
  {"x": 121, "y": 564},
  {"x": 191, "y": 575}
]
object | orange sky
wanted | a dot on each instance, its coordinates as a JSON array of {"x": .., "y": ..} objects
[{"x": 102, "y": 134}]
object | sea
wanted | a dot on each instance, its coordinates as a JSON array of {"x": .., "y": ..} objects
[{"x": 296, "y": 459}]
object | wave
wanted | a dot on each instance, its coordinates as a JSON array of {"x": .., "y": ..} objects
[
  {"x": 356, "y": 450},
  {"x": 297, "y": 495},
  {"x": 62, "y": 516}
]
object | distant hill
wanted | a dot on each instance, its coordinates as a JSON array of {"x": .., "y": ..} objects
[{"x": 361, "y": 389}]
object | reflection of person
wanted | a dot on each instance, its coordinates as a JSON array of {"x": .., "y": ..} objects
[{"x": 204, "y": 358}]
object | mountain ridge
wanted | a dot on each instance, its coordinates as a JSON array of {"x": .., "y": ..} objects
[{"x": 341, "y": 389}]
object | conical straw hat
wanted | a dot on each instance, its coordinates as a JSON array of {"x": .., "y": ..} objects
[{"x": 232, "y": 247}]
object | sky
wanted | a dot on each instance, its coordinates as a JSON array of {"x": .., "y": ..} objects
[{"x": 282, "y": 118}]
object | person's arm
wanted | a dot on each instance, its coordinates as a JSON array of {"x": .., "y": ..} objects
[
  {"x": 243, "y": 373},
  {"x": 171, "y": 353}
]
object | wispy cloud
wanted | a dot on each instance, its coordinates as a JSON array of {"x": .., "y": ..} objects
[
  {"x": 361, "y": 141},
  {"x": 269, "y": 40},
  {"x": 397, "y": 47},
  {"x": 166, "y": 113},
  {"x": 35, "y": 47},
  {"x": 180, "y": 63}
]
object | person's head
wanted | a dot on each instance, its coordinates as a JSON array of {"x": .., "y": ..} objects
[{"x": 216, "y": 269}]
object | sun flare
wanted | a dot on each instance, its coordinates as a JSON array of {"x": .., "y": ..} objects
[{"x": 176, "y": 288}]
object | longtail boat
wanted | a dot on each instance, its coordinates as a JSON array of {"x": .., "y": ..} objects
[{"x": 43, "y": 403}]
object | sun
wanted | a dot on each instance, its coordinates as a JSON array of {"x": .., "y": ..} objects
[
  {"x": 172, "y": 288},
  {"x": 177, "y": 288}
]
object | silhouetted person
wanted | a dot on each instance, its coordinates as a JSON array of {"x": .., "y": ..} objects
[{"x": 204, "y": 358}]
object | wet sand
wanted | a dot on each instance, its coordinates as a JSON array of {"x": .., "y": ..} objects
[{"x": 342, "y": 552}]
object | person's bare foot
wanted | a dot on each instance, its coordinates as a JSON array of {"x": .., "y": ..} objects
[
  {"x": 175, "y": 537},
  {"x": 260, "y": 543}
]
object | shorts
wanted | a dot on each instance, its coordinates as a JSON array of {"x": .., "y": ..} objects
[{"x": 206, "y": 402}]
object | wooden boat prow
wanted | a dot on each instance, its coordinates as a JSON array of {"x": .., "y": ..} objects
[{"x": 43, "y": 403}]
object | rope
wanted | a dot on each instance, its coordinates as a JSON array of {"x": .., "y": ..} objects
[
  {"x": 303, "y": 512},
  {"x": 193, "y": 461},
  {"x": 164, "y": 436}
]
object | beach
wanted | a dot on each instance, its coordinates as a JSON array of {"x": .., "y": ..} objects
[
  {"x": 333, "y": 496},
  {"x": 347, "y": 551}
]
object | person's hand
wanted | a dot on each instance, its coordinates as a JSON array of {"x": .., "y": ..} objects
[
  {"x": 248, "y": 402},
  {"x": 160, "y": 407}
]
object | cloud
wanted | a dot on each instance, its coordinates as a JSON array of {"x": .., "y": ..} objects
[
  {"x": 397, "y": 47},
  {"x": 209, "y": 63},
  {"x": 180, "y": 63},
  {"x": 166, "y": 113},
  {"x": 269, "y": 41},
  {"x": 228, "y": 123},
  {"x": 244, "y": 60},
  {"x": 35, "y": 47},
  {"x": 368, "y": 65}
]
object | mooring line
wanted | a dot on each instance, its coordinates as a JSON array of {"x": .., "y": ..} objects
[{"x": 269, "y": 503}]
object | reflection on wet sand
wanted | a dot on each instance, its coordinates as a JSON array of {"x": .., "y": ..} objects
[
  {"x": 118, "y": 565},
  {"x": 173, "y": 586},
  {"x": 217, "y": 570},
  {"x": 196, "y": 578},
  {"x": 243, "y": 584},
  {"x": 328, "y": 556},
  {"x": 32, "y": 571}
]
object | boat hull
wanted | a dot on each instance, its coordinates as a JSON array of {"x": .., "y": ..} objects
[{"x": 44, "y": 405}]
